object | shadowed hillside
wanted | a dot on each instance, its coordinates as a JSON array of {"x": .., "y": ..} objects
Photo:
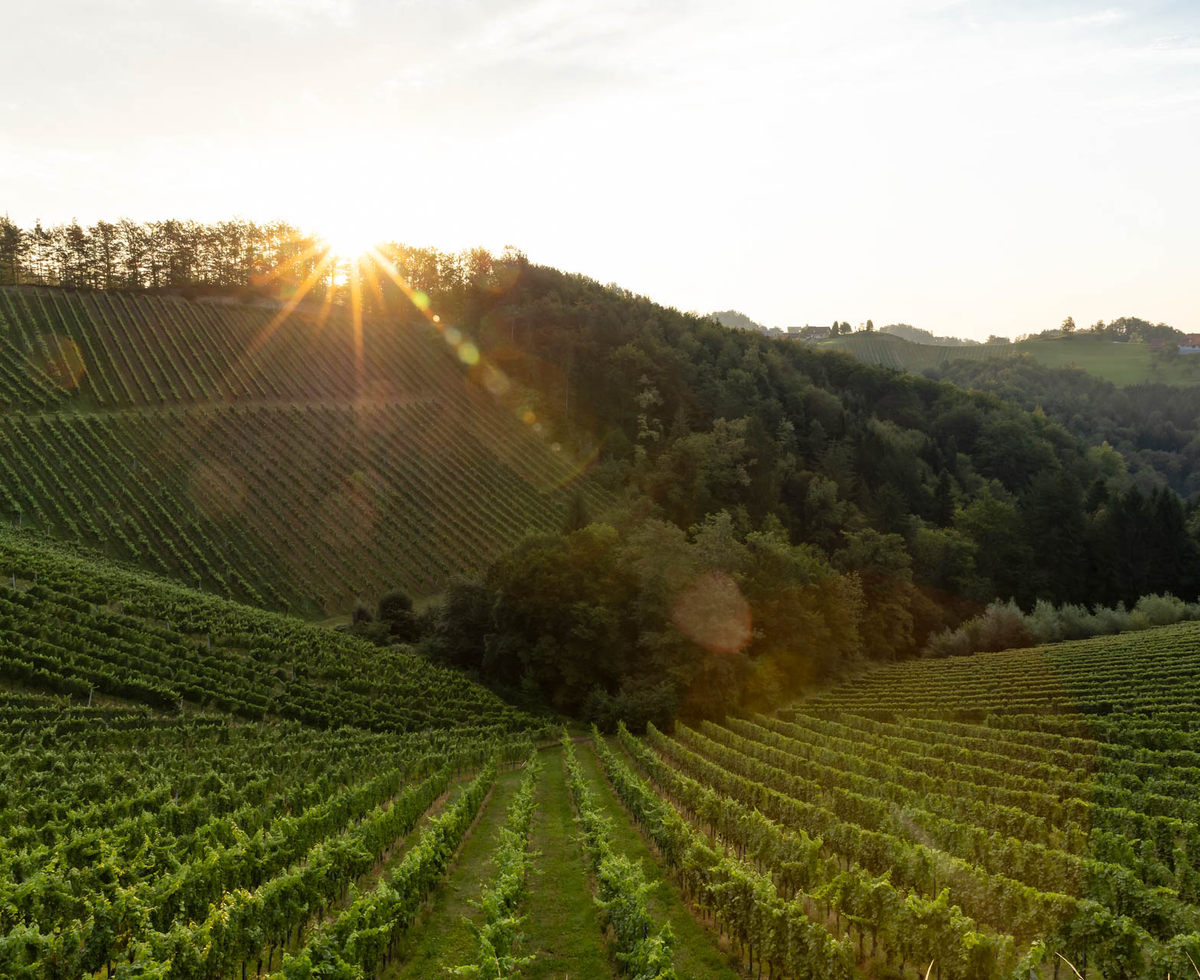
[{"x": 293, "y": 459}]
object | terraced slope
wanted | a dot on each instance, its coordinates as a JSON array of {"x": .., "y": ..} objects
[{"x": 297, "y": 462}]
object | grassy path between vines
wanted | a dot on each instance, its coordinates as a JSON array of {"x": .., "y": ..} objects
[
  {"x": 443, "y": 939},
  {"x": 696, "y": 955},
  {"x": 561, "y": 928},
  {"x": 368, "y": 881}
]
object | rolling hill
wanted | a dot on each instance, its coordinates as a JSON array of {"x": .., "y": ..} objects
[
  {"x": 1120, "y": 363},
  {"x": 296, "y": 460},
  {"x": 195, "y": 788}
]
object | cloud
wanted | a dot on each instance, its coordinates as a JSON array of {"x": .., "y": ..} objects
[
  {"x": 1098, "y": 18},
  {"x": 297, "y": 13}
]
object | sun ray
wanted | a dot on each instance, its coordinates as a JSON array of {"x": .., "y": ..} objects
[
  {"x": 394, "y": 274},
  {"x": 326, "y": 308},
  {"x": 301, "y": 291},
  {"x": 263, "y": 278},
  {"x": 373, "y": 280},
  {"x": 356, "y": 317}
]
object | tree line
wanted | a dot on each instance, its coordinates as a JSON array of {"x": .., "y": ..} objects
[
  {"x": 273, "y": 260},
  {"x": 153, "y": 254}
]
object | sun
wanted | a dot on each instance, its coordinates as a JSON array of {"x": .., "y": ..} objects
[{"x": 350, "y": 237}]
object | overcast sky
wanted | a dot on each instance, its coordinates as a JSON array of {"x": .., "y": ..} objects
[{"x": 965, "y": 167}]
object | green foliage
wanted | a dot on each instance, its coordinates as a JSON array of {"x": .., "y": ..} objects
[
  {"x": 1145, "y": 429},
  {"x": 359, "y": 939},
  {"x": 620, "y": 887},
  {"x": 637, "y": 624},
  {"x": 396, "y": 612},
  {"x": 501, "y": 896},
  {"x": 73, "y": 626},
  {"x": 1003, "y": 626}
]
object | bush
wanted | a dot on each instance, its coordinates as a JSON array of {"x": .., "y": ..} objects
[
  {"x": 1045, "y": 623},
  {"x": 1161, "y": 610},
  {"x": 1003, "y": 625},
  {"x": 950, "y": 643},
  {"x": 396, "y": 610},
  {"x": 1110, "y": 621},
  {"x": 1075, "y": 622}
]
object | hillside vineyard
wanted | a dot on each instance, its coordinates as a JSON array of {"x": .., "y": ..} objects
[
  {"x": 293, "y": 461},
  {"x": 196, "y": 789}
]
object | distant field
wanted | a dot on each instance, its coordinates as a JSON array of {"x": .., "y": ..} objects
[
  {"x": 295, "y": 462},
  {"x": 1122, "y": 364}
]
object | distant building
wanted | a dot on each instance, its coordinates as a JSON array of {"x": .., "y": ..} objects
[
  {"x": 811, "y": 334},
  {"x": 1188, "y": 344}
]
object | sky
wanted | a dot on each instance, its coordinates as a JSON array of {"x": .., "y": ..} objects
[{"x": 966, "y": 167}]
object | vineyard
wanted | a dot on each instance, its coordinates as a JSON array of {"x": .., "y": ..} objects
[
  {"x": 196, "y": 789},
  {"x": 296, "y": 463},
  {"x": 904, "y": 355}
]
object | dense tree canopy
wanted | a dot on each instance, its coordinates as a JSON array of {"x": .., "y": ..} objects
[
  {"x": 1154, "y": 429},
  {"x": 862, "y": 509}
]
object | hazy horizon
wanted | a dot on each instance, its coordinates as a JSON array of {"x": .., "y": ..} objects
[{"x": 969, "y": 168}]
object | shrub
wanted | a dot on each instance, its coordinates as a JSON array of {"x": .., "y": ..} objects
[
  {"x": 396, "y": 610},
  {"x": 1045, "y": 623},
  {"x": 1161, "y": 610},
  {"x": 1003, "y": 625}
]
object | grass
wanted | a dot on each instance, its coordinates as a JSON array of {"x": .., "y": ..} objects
[
  {"x": 370, "y": 880},
  {"x": 445, "y": 940},
  {"x": 1122, "y": 364},
  {"x": 561, "y": 927},
  {"x": 696, "y": 955}
]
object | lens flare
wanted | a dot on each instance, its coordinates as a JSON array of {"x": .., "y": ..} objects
[
  {"x": 714, "y": 614},
  {"x": 216, "y": 490},
  {"x": 60, "y": 359}
]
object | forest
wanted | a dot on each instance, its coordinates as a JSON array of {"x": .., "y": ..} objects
[
  {"x": 857, "y": 506},
  {"x": 1155, "y": 428}
]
